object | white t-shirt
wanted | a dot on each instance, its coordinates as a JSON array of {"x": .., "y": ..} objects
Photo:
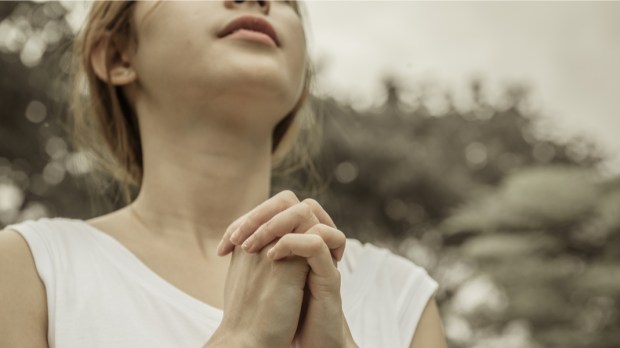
[{"x": 99, "y": 294}]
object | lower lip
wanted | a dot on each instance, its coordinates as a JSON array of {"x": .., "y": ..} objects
[{"x": 250, "y": 35}]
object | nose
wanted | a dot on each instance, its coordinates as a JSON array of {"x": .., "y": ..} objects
[{"x": 264, "y": 5}]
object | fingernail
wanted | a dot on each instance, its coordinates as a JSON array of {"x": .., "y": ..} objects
[
  {"x": 270, "y": 253},
  {"x": 248, "y": 244},
  {"x": 235, "y": 237},
  {"x": 219, "y": 247}
]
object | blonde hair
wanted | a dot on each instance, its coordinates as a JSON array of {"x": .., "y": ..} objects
[{"x": 105, "y": 127}]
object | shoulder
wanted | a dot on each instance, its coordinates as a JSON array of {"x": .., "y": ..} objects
[
  {"x": 23, "y": 319},
  {"x": 45, "y": 235},
  {"x": 392, "y": 282},
  {"x": 17, "y": 263},
  {"x": 368, "y": 258}
]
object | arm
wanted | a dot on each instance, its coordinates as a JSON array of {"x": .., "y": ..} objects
[
  {"x": 23, "y": 305},
  {"x": 429, "y": 332},
  {"x": 223, "y": 338}
]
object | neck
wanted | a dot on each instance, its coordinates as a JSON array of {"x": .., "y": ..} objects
[{"x": 195, "y": 185}]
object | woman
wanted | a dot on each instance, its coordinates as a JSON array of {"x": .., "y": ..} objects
[{"x": 197, "y": 101}]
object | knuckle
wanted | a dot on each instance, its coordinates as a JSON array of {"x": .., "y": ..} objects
[
  {"x": 251, "y": 223},
  {"x": 282, "y": 205},
  {"x": 315, "y": 243},
  {"x": 297, "y": 213},
  {"x": 341, "y": 236},
  {"x": 289, "y": 196},
  {"x": 325, "y": 228},
  {"x": 317, "y": 230},
  {"x": 305, "y": 211},
  {"x": 311, "y": 202},
  {"x": 285, "y": 239}
]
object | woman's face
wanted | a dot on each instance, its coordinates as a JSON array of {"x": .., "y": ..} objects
[{"x": 181, "y": 61}]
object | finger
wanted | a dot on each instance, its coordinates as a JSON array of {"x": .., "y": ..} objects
[
  {"x": 263, "y": 213},
  {"x": 256, "y": 217},
  {"x": 319, "y": 212},
  {"x": 285, "y": 223},
  {"x": 296, "y": 219},
  {"x": 309, "y": 246},
  {"x": 225, "y": 246},
  {"x": 334, "y": 239}
]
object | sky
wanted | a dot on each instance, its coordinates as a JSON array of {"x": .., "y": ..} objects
[{"x": 568, "y": 53}]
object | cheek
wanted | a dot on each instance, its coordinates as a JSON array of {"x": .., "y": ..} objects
[
  {"x": 168, "y": 56},
  {"x": 169, "y": 35},
  {"x": 156, "y": 63}
]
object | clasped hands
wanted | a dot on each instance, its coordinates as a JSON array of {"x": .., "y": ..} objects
[{"x": 292, "y": 230}]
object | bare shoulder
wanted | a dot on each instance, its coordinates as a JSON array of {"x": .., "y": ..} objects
[
  {"x": 23, "y": 318},
  {"x": 429, "y": 333}
]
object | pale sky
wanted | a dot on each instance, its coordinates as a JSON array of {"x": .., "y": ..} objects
[{"x": 567, "y": 52}]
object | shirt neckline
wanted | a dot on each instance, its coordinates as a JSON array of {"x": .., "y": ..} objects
[
  {"x": 353, "y": 290},
  {"x": 153, "y": 280}
]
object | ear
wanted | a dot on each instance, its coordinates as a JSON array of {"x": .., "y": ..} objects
[{"x": 110, "y": 61}]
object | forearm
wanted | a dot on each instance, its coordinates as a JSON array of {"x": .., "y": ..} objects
[
  {"x": 225, "y": 339},
  {"x": 350, "y": 342}
]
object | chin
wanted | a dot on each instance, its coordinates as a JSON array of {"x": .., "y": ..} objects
[{"x": 262, "y": 90}]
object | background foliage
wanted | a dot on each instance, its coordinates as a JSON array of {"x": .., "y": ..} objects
[{"x": 522, "y": 232}]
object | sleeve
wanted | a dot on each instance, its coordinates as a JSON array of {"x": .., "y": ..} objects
[
  {"x": 412, "y": 288},
  {"x": 39, "y": 248}
]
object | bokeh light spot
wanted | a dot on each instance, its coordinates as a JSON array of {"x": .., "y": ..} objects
[
  {"x": 346, "y": 172},
  {"x": 36, "y": 111}
]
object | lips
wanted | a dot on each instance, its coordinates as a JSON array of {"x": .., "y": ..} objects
[{"x": 252, "y": 23}]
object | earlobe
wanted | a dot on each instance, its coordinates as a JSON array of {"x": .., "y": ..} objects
[
  {"x": 122, "y": 75},
  {"x": 110, "y": 63}
]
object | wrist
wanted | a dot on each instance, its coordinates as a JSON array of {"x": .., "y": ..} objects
[
  {"x": 223, "y": 338},
  {"x": 349, "y": 341},
  {"x": 352, "y": 344},
  {"x": 229, "y": 337}
]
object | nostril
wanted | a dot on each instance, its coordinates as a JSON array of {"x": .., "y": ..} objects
[{"x": 260, "y": 2}]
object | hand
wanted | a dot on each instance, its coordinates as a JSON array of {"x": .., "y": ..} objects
[
  {"x": 277, "y": 216},
  {"x": 323, "y": 323},
  {"x": 305, "y": 230},
  {"x": 262, "y": 301}
]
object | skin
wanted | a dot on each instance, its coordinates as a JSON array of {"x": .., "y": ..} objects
[
  {"x": 207, "y": 168},
  {"x": 206, "y": 152}
]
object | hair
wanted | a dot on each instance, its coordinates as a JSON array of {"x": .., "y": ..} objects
[{"x": 105, "y": 128}]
